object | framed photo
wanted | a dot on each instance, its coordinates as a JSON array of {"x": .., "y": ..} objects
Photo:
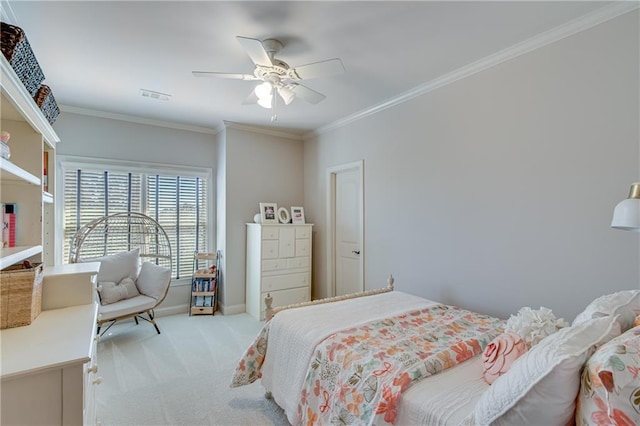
[
  {"x": 268, "y": 212},
  {"x": 297, "y": 214},
  {"x": 283, "y": 215}
]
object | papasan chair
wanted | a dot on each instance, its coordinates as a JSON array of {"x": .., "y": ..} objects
[{"x": 135, "y": 265}]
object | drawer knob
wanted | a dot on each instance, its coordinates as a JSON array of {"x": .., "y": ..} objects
[
  {"x": 92, "y": 369},
  {"x": 97, "y": 381}
]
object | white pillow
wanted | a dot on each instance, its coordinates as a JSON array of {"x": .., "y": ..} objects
[
  {"x": 115, "y": 267},
  {"x": 111, "y": 292},
  {"x": 625, "y": 303},
  {"x": 153, "y": 280},
  {"x": 541, "y": 386}
]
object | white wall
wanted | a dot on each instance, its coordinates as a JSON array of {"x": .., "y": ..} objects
[
  {"x": 259, "y": 168},
  {"x": 496, "y": 192},
  {"x": 221, "y": 208},
  {"x": 90, "y": 136}
]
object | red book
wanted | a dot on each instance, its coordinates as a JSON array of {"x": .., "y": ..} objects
[{"x": 11, "y": 218}]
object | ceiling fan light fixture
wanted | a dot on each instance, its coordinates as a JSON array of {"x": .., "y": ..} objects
[
  {"x": 286, "y": 94},
  {"x": 265, "y": 102},
  {"x": 264, "y": 92}
]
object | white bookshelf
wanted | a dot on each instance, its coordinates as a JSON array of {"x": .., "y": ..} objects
[{"x": 21, "y": 176}]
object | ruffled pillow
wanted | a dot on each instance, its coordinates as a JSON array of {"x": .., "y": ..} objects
[
  {"x": 500, "y": 354},
  {"x": 534, "y": 325}
]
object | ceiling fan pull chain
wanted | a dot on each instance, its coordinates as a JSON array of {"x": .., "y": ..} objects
[{"x": 274, "y": 116}]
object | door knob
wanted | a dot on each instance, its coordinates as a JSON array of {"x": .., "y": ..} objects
[{"x": 355, "y": 251}]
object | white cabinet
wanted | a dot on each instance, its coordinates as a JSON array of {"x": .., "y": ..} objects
[
  {"x": 21, "y": 176},
  {"x": 49, "y": 368},
  {"x": 278, "y": 262}
]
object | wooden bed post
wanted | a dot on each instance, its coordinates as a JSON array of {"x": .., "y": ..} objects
[{"x": 268, "y": 302}]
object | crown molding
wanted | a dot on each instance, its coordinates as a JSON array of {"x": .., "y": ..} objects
[
  {"x": 570, "y": 28},
  {"x": 261, "y": 130},
  {"x": 135, "y": 119}
]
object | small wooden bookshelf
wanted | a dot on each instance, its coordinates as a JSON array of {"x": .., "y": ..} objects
[{"x": 204, "y": 284}]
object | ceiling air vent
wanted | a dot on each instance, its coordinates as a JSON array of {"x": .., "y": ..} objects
[{"x": 154, "y": 95}]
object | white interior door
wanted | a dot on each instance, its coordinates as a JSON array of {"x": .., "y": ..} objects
[{"x": 348, "y": 232}]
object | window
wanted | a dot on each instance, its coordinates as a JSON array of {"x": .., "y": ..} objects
[{"x": 176, "y": 198}]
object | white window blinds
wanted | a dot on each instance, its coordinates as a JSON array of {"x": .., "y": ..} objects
[{"x": 179, "y": 203}]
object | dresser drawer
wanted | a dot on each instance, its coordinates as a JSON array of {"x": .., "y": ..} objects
[
  {"x": 303, "y": 247},
  {"x": 270, "y": 233},
  {"x": 286, "y": 297},
  {"x": 270, "y": 249},
  {"x": 274, "y": 265},
  {"x": 283, "y": 282},
  {"x": 298, "y": 262},
  {"x": 303, "y": 232}
]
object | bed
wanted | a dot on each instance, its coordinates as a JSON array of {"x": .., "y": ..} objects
[{"x": 316, "y": 379}]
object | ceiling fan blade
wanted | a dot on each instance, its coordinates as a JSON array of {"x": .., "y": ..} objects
[
  {"x": 305, "y": 93},
  {"x": 319, "y": 69},
  {"x": 224, "y": 75},
  {"x": 252, "y": 99},
  {"x": 256, "y": 51}
]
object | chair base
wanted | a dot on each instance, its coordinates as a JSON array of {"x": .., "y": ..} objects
[{"x": 150, "y": 319}]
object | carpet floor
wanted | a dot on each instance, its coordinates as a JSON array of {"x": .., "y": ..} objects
[{"x": 182, "y": 376}]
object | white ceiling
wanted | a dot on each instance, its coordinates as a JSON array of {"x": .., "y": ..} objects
[{"x": 97, "y": 55}]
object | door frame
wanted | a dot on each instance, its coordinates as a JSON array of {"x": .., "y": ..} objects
[{"x": 331, "y": 221}]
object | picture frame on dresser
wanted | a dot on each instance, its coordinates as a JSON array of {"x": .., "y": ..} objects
[
  {"x": 268, "y": 212},
  {"x": 297, "y": 215},
  {"x": 283, "y": 215}
]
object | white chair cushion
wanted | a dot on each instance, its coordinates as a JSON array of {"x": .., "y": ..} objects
[
  {"x": 153, "y": 280},
  {"x": 115, "y": 267},
  {"x": 127, "y": 306}
]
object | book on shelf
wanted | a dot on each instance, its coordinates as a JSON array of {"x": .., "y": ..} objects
[
  {"x": 9, "y": 211},
  {"x": 45, "y": 171},
  {"x": 199, "y": 301},
  {"x": 203, "y": 284},
  {"x": 208, "y": 301}
]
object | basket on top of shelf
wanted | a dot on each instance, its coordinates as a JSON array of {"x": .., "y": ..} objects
[
  {"x": 16, "y": 48},
  {"x": 20, "y": 294},
  {"x": 47, "y": 103}
]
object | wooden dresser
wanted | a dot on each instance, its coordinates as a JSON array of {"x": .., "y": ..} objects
[{"x": 279, "y": 263}]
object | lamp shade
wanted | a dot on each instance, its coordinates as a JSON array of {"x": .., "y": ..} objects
[
  {"x": 626, "y": 215},
  {"x": 286, "y": 94},
  {"x": 264, "y": 93}
]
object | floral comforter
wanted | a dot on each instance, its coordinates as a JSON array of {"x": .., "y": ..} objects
[{"x": 358, "y": 375}]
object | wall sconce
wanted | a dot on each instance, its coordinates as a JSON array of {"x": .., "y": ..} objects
[{"x": 626, "y": 215}]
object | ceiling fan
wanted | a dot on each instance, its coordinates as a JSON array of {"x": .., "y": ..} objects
[{"x": 276, "y": 75}]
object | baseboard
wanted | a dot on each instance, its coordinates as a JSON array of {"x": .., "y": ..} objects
[
  {"x": 171, "y": 310},
  {"x": 233, "y": 309},
  {"x": 184, "y": 309}
]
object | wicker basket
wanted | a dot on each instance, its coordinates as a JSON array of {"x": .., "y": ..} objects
[
  {"x": 20, "y": 295},
  {"x": 47, "y": 103},
  {"x": 16, "y": 48}
]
